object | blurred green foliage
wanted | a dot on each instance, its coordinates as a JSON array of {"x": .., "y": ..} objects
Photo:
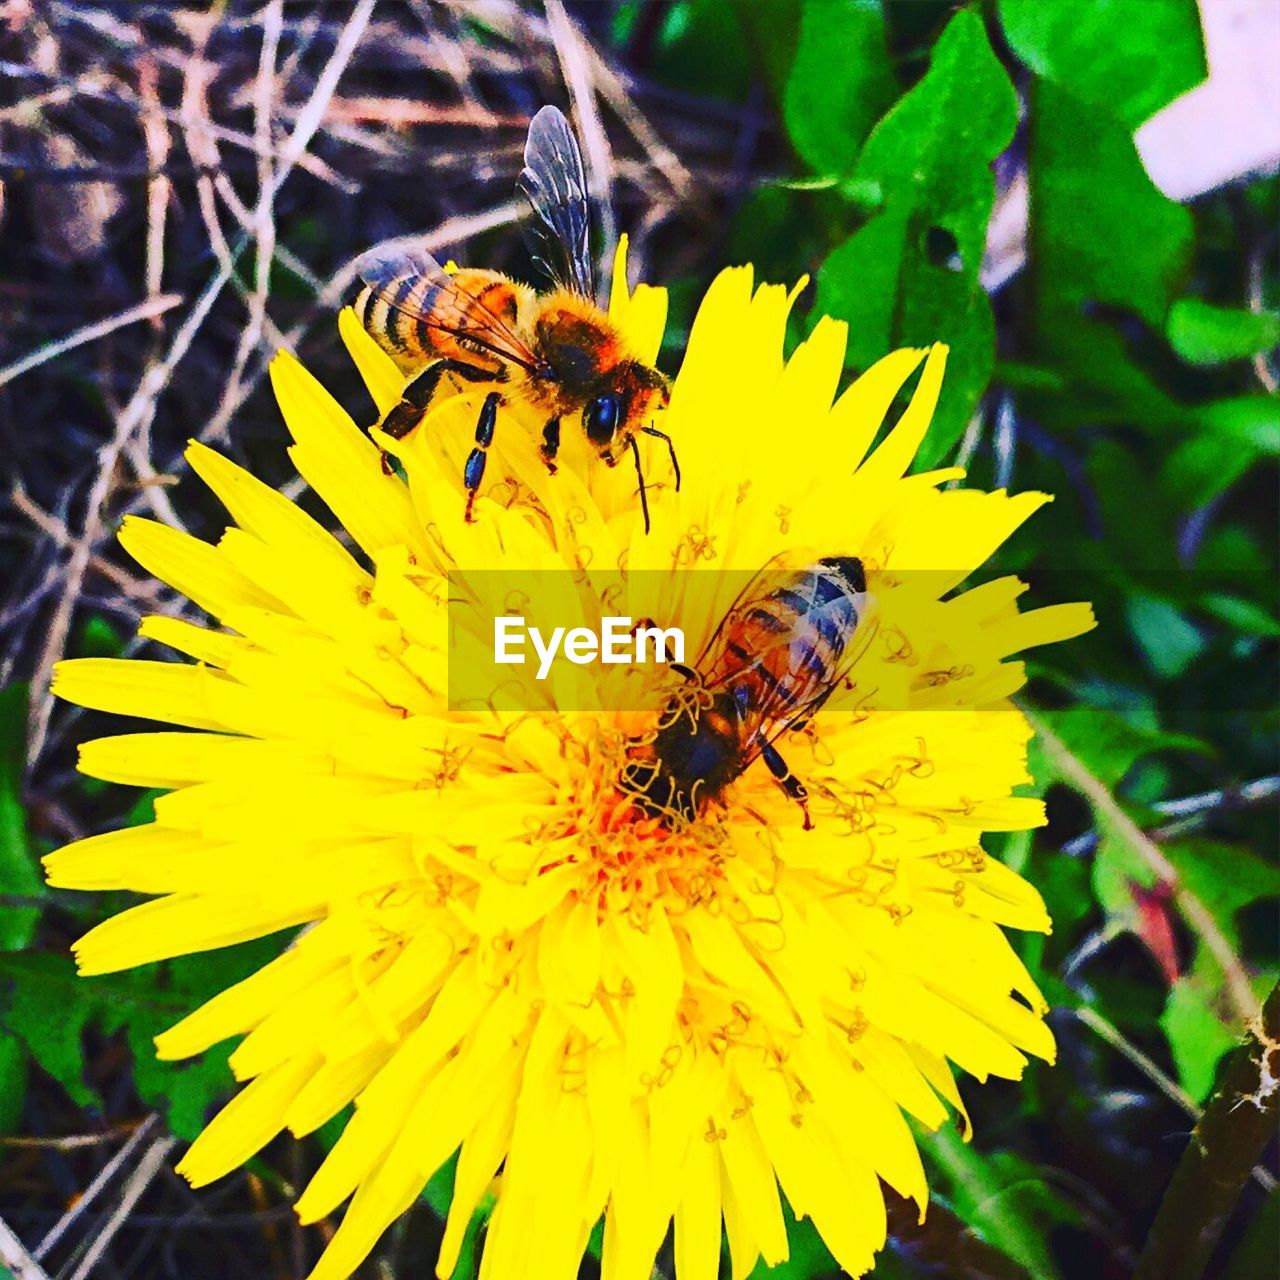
[{"x": 1122, "y": 369}]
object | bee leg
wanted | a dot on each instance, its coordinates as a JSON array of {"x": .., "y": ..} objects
[
  {"x": 473, "y": 469},
  {"x": 644, "y": 497},
  {"x": 671, "y": 449},
  {"x": 417, "y": 396},
  {"x": 791, "y": 786},
  {"x": 551, "y": 444}
]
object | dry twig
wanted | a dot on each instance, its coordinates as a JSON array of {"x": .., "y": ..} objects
[
  {"x": 14, "y": 1256},
  {"x": 99, "y": 329},
  {"x": 143, "y": 403}
]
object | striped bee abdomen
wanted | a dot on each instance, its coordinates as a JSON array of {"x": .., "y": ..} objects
[
  {"x": 787, "y": 643},
  {"x": 419, "y": 318}
]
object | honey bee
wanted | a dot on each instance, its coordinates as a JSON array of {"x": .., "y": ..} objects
[
  {"x": 774, "y": 660},
  {"x": 556, "y": 351}
]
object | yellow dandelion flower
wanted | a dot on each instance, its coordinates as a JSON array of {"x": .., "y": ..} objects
[{"x": 604, "y": 1013}]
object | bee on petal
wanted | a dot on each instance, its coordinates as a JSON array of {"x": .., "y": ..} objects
[
  {"x": 555, "y": 351},
  {"x": 777, "y": 656}
]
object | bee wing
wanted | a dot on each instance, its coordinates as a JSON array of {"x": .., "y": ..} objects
[
  {"x": 555, "y": 184},
  {"x": 770, "y": 707},
  {"x": 779, "y": 715},
  {"x": 714, "y": 656},
  {"x": 444, "y": 304},
  {"x": 774, "y": 705}
]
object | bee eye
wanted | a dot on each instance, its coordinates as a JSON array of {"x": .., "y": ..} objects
[{"x": 601, "y": 418}]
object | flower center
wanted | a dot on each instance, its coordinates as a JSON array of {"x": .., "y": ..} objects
[{"x": 635, "y": 859}]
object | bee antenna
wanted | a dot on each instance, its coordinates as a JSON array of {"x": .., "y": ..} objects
[{"x": 644, "y": 497}]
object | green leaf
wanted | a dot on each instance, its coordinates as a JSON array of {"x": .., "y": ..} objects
[
  {"x": 777, "y": 230},
  {"x": 909, "y": 277},
  {"x": 1234, "y": 435},
  {"x": 98, "y": 638},
  {"x": 1198, "y": 1021},
  {"x": 1196, "y": 1033},
  {"x": 1243, "y": 615},
  {"x": 1101, "y": 230},
  {"x": 1207, "y": 335},
  {"x": 1234, "y": 550},
  {"x": 1118, "y": 472},
  {"x": 438, "y": 1193},
  {"x": 840, "y": 83},
  {"x": 1108, "y": 743},
  {"x": 19, "y": 877},
  {"x": 1096, "y": 742},
  {"x": 772, "y": 31},
  {"x": 1170, "y": 642},
  {"x": 1200, "y": 865},
  {"x": 700, "y": 45},
  {"x": 1252, "y": 422},
  {"x": 1202, "y": 467},
  {"x": 36, "y": 984},
  {"x": 1256, "y": 1252},
  {"x": 1003, "y": 1198},
  {"x": 140, "y": 1003},
  {"x": 13, "y": 1082},
  {"x": 1128, "y": 57},
  {"x": 1104, "y": 243},
  {"x": 1027, "y": 377}
]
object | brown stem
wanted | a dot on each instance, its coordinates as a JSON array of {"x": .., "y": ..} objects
[{"x": 1231, "y": 1136}]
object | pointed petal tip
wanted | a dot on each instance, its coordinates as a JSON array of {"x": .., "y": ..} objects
[{"x": 190, "y": 1171}]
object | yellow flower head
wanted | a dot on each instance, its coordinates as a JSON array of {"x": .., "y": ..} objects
[{"x": 607, "y": 1011}]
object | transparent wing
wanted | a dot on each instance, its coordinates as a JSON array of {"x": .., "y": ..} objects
[
  {"x": 555, "y": 185},
  {"x": 443, "y": 304},
  {"x": 782, "y": 672}
]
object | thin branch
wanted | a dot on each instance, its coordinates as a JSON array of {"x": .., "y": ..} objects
[
  {"x": 70, "y": 1141},
  {"x": 1192, "y": 811},
  {"x": 1249, "y": 793},
  {"x": 1112, "y": 815},
  {"x": 58, "y": 531},
  {"x": 399, "y": 114},
  {"x": 94, "y": 1189},
  {"x": 1107, "y": 1031},
  {"x": 264, "y": 97},
  {"x": 15, "y": 1256},
  {"x": 571, "y": 48},
  {"x": 139, "y": 1180},
  {"x": 155, "y": 137},
  {"x": 90, "y": 332},
  {"x": 142, "y": 405}
]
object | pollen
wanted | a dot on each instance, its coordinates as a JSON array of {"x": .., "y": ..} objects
[{"x": 632, "y": 860}]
